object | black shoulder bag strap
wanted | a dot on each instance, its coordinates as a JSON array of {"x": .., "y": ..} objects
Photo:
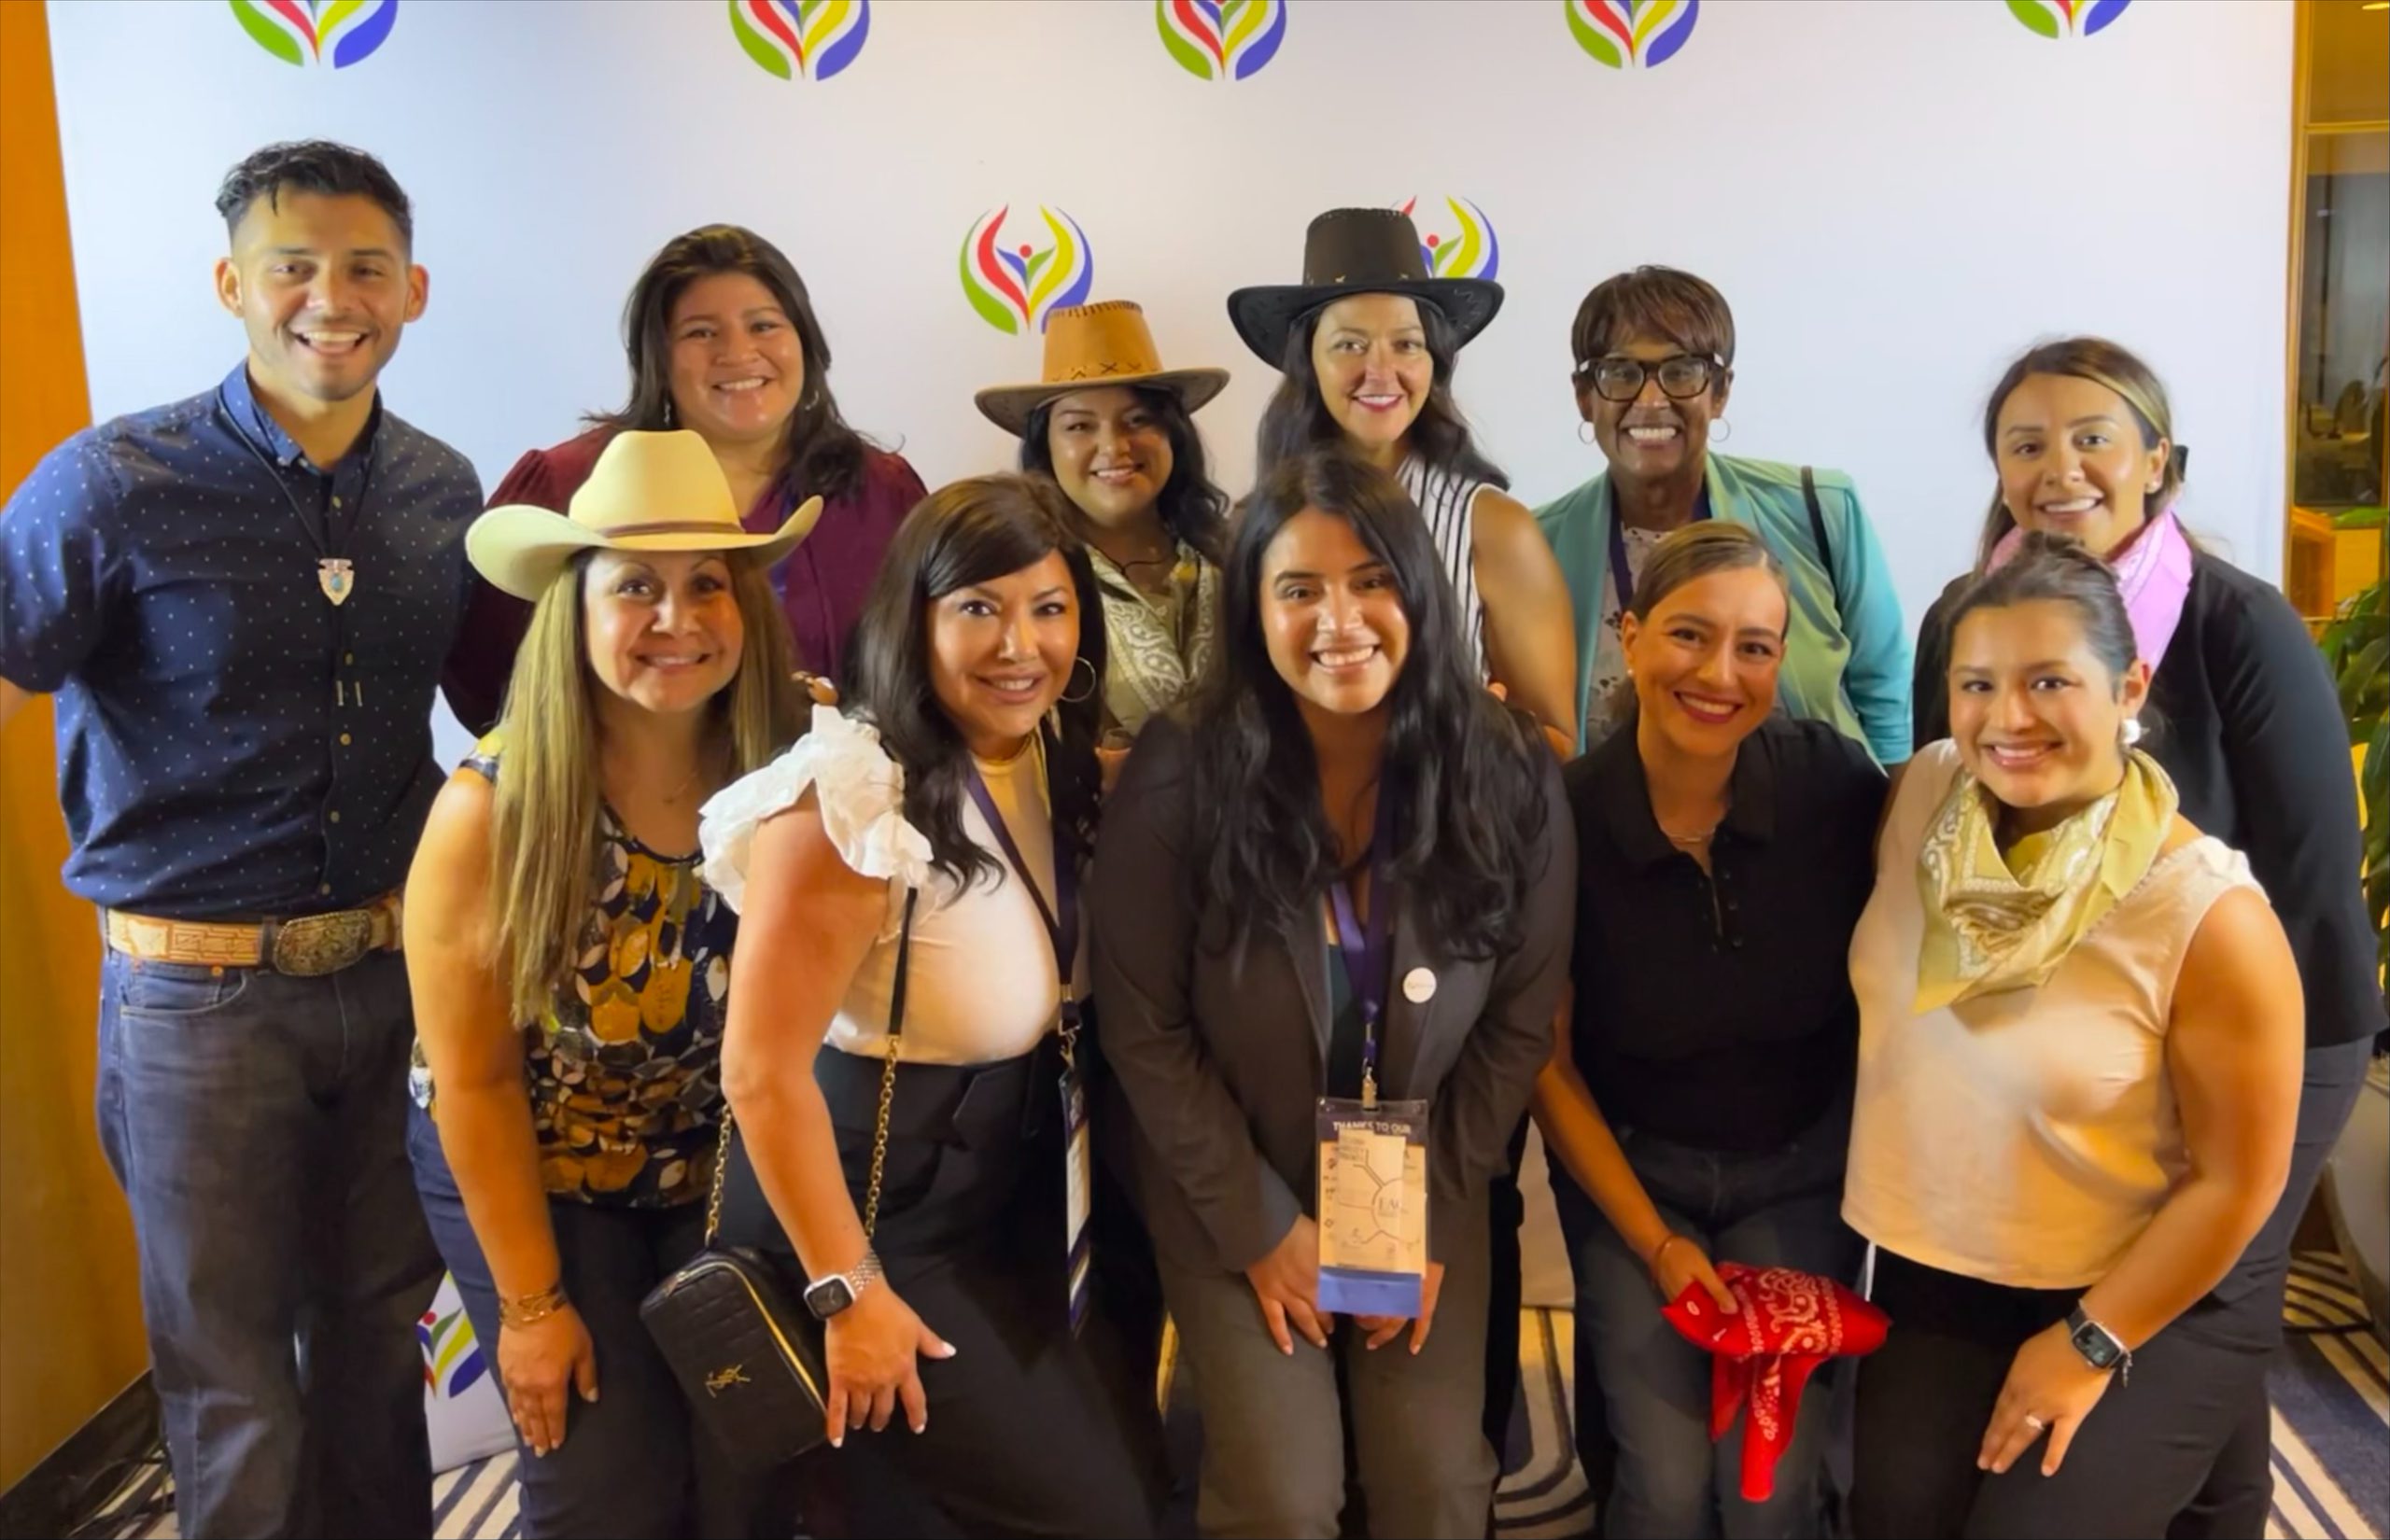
[{"x": 1817, "y": 533}]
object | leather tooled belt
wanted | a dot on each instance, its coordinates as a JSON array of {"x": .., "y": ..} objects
[{"x": 307, "y": 948}]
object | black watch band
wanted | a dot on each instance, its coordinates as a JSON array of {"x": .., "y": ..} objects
[{"x": 2100, "y": 1346}]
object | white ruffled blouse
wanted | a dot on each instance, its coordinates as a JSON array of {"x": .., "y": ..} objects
[{"x": 982, "y": 986}]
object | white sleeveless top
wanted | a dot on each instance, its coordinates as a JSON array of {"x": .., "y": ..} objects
[
  {"x": 1449, "y": 503},
  {"x": 2024, "y": 1137},
  {"x": 981, "y": 986}
]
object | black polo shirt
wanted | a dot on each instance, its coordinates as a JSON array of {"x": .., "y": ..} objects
[{"x": 1716, "y": 1011}]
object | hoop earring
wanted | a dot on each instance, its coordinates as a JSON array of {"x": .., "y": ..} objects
[
  {"x": 1722, "y": 430},
  {"x": 1585, "y": 431},
  {"x": 2133, "y": 732},
  {"x": 1078, "y": 664}
]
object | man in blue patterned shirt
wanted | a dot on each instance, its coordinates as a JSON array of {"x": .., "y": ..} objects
[{"x": 242, "y": 602}]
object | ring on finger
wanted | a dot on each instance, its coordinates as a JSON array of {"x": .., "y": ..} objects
[{"x": 2036, "y": 1423}]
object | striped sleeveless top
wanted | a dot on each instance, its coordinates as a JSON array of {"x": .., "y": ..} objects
[{"x": 1447, "y": 501}]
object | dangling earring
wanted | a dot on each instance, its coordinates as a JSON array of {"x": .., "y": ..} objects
[
  {"x": 668, "y": 413},
  {"x": 1078, "y": 664},
  {"x": 1585, "y": 431},
  {"x": 1721, "y": 429},
  {"x": 2133, "y": 732}
]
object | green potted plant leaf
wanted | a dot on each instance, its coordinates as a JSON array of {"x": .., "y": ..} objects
[{"x": 2357, "y": 645}]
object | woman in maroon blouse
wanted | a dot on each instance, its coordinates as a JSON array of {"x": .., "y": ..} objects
[{"x": 723, "y": 340}]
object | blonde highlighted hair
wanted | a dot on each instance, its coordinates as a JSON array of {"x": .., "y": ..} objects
[
  {"x": 2104, "y": 363},
  {"x": 544, "y": 812}
]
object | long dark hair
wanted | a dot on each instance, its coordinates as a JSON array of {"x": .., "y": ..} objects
[
  {"x": 825, "y": 455},
  {"x": 1191, "y": 508},
  {"x": 972, "y": 532},
  {"x": 1464, "y": 770},
  {"x": 1298, "y": 418}
]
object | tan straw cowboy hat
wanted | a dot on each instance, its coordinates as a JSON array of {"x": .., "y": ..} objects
[
  {"x": 1089, "y": 347},
  {"x": 648, "y": 492}
]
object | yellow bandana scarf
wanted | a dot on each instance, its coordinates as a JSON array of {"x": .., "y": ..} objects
[{"x": 1994, "y": 922}]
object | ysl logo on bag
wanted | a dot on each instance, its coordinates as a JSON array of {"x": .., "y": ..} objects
[{"x": 722, "y": 1380}]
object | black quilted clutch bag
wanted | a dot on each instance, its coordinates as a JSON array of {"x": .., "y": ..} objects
[{"x": 748, "y": 1359}]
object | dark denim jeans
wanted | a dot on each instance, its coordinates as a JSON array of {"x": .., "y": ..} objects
[
  {"x": 632, "y": 1462},
  {"x": 256, "y": 1124},
  {"x": 1778, "y": 1208}
]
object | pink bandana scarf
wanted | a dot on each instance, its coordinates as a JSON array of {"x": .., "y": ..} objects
[{"x": 2154, "y": 573}]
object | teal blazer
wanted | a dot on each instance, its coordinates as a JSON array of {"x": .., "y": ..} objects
[{"x": 1848, "y": 658}]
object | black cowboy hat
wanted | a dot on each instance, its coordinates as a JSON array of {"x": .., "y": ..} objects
[{"x": 1358, "y": 251}]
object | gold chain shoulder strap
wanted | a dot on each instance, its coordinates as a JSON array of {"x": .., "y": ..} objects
[
  {"x": 888, "y": 1072},
  {"x": 887, "y": 1096},
  {"x": 721, "y": 1164}
]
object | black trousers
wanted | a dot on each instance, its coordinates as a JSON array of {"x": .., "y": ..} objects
[
  {"x": 631, "y": 1465},
  {"x": 1926, "y": 1396},
  {"x": 1032, "y": 1430},
  {"x": 2239, "y": 1492},
  {"x": 1507, "y": 1213}
]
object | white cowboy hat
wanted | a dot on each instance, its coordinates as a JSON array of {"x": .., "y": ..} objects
[{"x": 648, "y": 492}]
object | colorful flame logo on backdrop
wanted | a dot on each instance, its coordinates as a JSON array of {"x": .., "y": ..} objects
[
  {"x": 2067, "y": 17},
  {"x": 305, "y": 32},
  {"x": 1475, "y": 252},
  {"x": 810, "y": 38},
  {"x": 451, "y": 1357},
  {"x": 1632, "y": 33},
  {"x": 1221, "y": 39},
  {"x": 1015, "y": 287}
]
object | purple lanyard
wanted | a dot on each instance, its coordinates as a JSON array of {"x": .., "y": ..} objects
[
  {"x": 1063, "y": 931},
  {"x": 1368, "y": 951}
]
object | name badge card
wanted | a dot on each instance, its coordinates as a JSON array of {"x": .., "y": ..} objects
[{"x": 1372, "y": 1206}]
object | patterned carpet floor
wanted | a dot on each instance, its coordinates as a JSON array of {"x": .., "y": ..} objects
[{"x": 2331, "y": 1395}]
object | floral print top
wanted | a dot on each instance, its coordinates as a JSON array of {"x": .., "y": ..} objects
[{"x": 624, "y": 1070}]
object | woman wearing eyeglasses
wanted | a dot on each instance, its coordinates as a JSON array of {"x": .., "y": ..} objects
[{"x": 1655, "y": 353}]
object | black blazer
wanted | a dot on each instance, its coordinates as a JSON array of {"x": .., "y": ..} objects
[
  {"x": 1222, "y": 1055},
  {"x": 2250, "y": 728}
]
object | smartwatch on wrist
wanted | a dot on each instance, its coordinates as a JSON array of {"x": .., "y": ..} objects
[
  {"x": 2099, "y": 1346},
  {"x": 829, "y": 1296}
]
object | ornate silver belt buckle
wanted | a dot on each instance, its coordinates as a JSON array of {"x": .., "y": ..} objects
[{"x": 322, "y": 943}]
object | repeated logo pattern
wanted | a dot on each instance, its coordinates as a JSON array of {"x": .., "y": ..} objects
[
  {"x": 1014, "y": 287},
  {"x": 1632, "y": 34},
  {"x": 340, "y": 32},
  {"x": 807, "y": 39},
  {"x": 1473, "y": 251},
  {"x": 453, "y": 1359},
  {"x": 1221, "y": 39},
  {"x": 2060, "y": 19}
]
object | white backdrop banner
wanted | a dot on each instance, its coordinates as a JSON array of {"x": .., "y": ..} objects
[{"x": 1895, "y": 195}]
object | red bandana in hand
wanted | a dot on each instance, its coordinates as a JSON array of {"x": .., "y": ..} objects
[{"x": 1790, "y": 1322}]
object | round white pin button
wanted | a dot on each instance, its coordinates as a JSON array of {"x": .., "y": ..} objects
[{"x": 1419, "y": 985}]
